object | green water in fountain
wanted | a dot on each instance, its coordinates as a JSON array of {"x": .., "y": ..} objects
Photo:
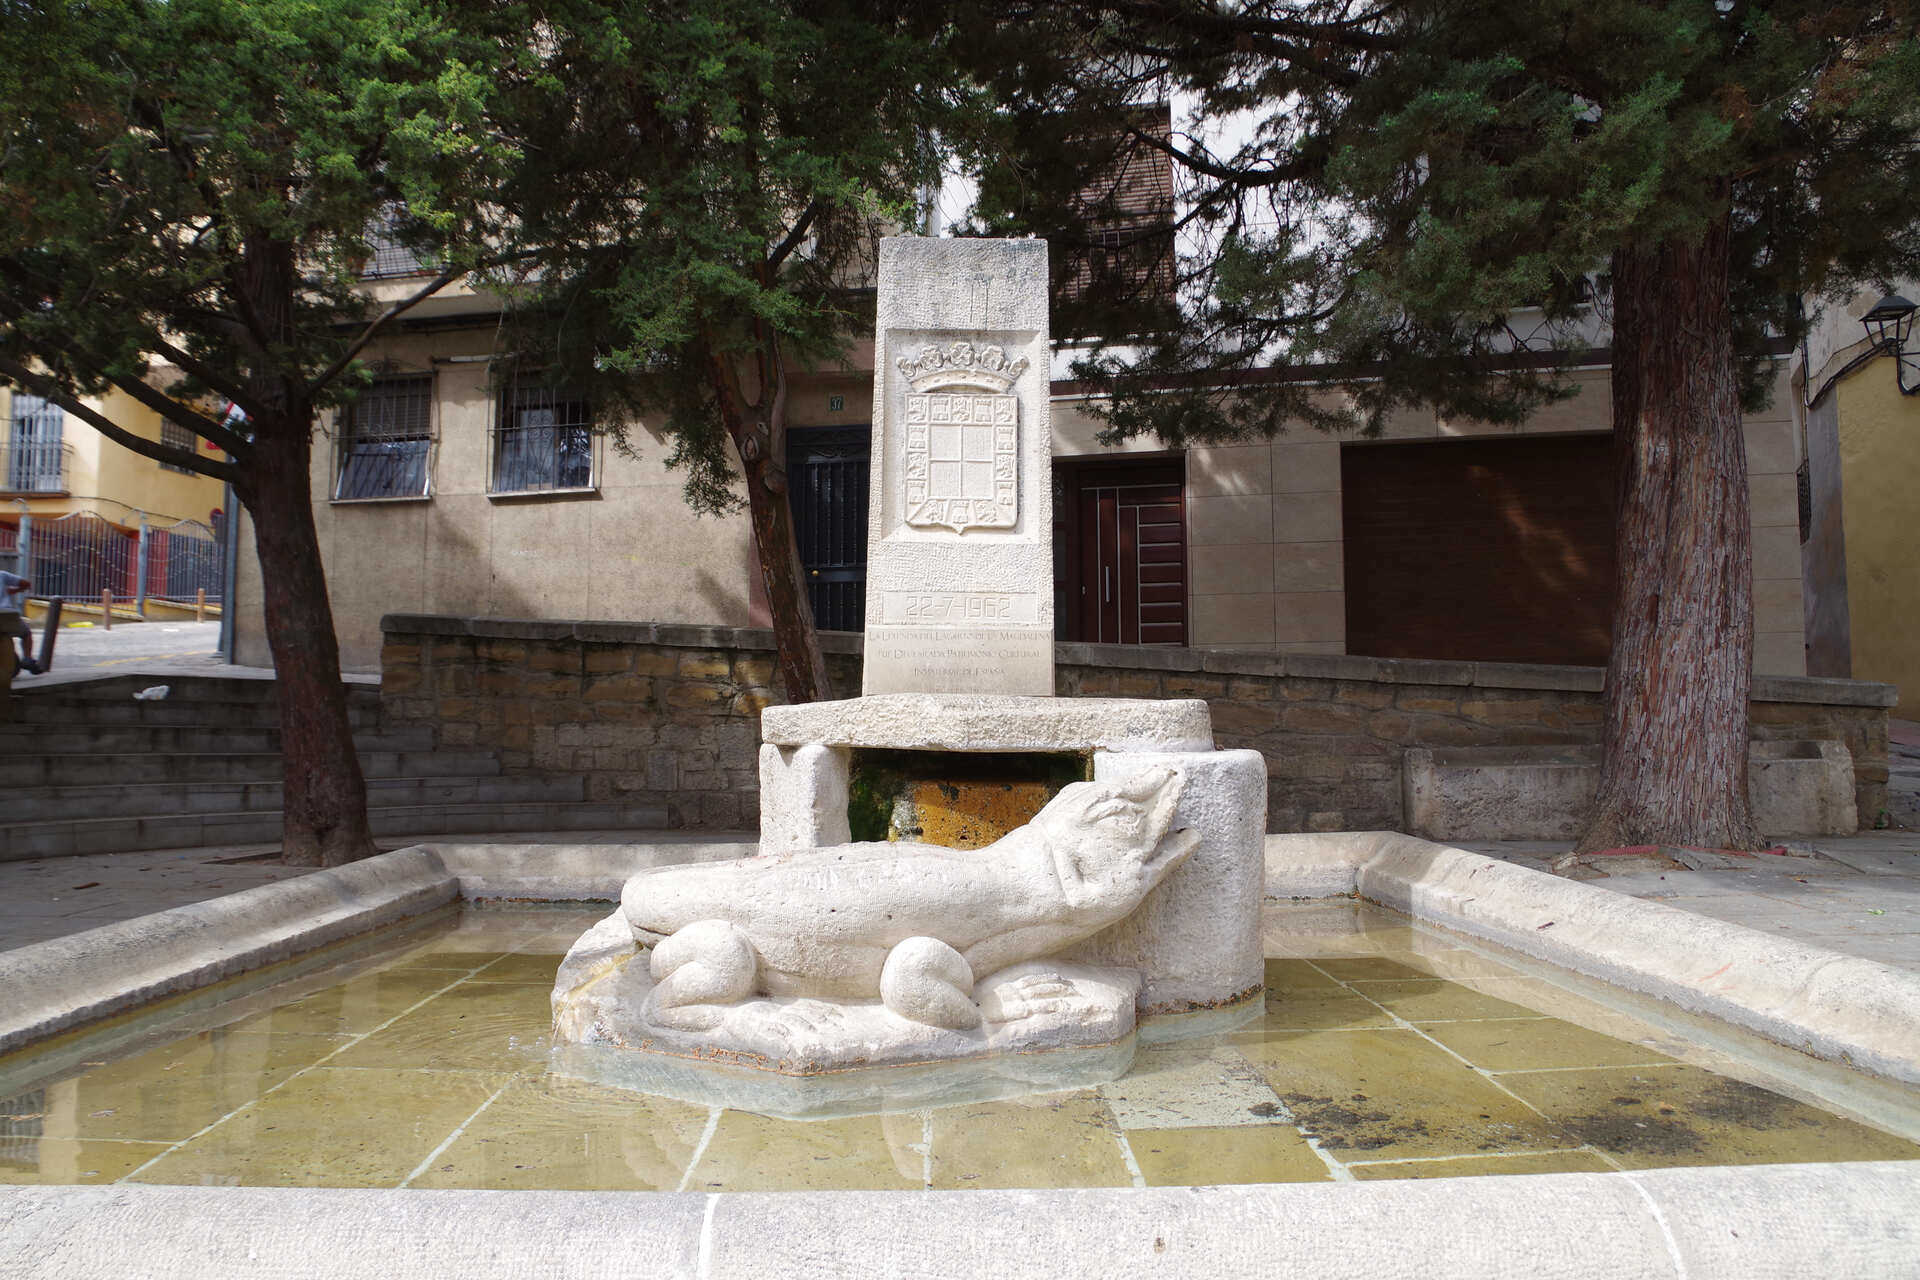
[{"x": 1386, "y": 1051}]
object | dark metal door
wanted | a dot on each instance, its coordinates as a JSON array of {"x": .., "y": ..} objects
[{"x": 827, "y": 483}]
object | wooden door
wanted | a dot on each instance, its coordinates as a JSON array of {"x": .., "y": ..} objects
[{"x": 1121, "y": 537}]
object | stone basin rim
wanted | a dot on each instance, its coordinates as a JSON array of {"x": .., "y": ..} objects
[
  {"x": 1844, "y": 1220},
  {"x": 1816, "y": 1001}
]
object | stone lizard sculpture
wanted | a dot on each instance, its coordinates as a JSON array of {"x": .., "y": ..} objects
[{"x": 912, "y": 924}]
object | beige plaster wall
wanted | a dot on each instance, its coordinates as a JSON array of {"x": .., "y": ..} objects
[
  {"x": 630, "y": 550},
  {"x": 1265, "y": 533},
  {"x": 1779, "y": 610},
  {"x": 1264, "y": 525}
]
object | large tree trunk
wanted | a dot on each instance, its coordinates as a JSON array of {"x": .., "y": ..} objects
[
  {"x": 803, "y": 667},
  {"x": 1674, "y": 743},
  {"x": 759, "y": 435},
  {"x": 324, "y": 802}
]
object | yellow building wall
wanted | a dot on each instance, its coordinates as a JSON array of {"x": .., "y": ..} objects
[
  {"x": 116, "y": 483},
  {"x": 1879, "y": 430},
  {"x": 140, "y": 482}
]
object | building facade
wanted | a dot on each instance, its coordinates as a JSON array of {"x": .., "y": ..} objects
[
  {"x": 98, "y": 517},
  {"x": 453, "y": 489}
]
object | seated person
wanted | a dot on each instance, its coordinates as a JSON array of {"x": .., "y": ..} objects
[{"x": 13, "y": 590}]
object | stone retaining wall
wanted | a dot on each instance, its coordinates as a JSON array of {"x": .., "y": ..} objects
[{"x": 669, "y": 714}]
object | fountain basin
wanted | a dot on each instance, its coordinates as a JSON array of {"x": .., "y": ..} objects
[{"x": 1627, "y": 1222}]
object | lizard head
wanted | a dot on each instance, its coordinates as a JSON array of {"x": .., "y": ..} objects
[{"x": 1113, "y": 842}]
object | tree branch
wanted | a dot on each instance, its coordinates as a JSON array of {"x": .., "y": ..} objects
[
  {"x": 1227, "y": 27},
  {"x": 254, "y": 325},
  {"x": 795, "y": 236},
  {"x": 50, "y": 390},
  {"x": 164, "y": 405},
  {"x": 1294, "y": 169},
  {"x": 193, "y": 420},
  {"x": 379, "y": 322},
  {"x": 215, "y": 380}
]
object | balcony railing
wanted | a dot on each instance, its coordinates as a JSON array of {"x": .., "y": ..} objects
[{"x": 34, "y": 466}]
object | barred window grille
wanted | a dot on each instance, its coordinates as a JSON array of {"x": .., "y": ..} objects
[
  {"x": 543, "y": 440},
  {"x": 36, "y": 454},
  {"x": 384, "y": 438},
  {"x": 387, "y": 256},
  {"x": 176, "y": 436}
]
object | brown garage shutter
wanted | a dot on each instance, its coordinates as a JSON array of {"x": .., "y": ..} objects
[{"x": 1489, "y": 550}]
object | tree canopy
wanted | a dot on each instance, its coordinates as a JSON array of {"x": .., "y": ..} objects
[
  {"x": 1378, "y": 188},
  {"x": 191, "y": 189},
  {"x": 1373, "y": 191},
  {"x": 704, "y": 184}
]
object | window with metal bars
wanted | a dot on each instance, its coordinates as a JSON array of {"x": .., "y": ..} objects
[
  {"x": 35, "y": 453},
  {"x": 384, "y": 437},
  {"x": 387, "y": 254},
  {"x": 543, "y": 439},
  {"x": 175, "y": 436}
]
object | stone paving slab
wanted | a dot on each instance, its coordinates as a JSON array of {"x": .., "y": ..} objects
[{"x": 1860, "y": 894}]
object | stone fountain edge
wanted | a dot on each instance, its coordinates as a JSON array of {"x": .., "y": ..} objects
[{"x": 1741, "y": 1223}]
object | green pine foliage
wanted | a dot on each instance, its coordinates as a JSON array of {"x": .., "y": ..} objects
[
  {"x": 191, "y": 184},
  {"x": 189, "y": 190},
  {"x": 704, "y": 185},
  {"x": 1411, "y": 174}
]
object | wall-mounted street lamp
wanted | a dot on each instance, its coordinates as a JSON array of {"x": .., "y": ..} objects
[{"x": 1888, "y": 324}]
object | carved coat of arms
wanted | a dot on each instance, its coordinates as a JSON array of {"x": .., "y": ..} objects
[{"x": 962, "y": 437}]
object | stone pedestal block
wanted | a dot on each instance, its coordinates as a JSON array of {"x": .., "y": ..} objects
[
  {"x": 1196, "y": 938},
  {"x": 803, "y": 796},
  {"x": 960, "y": 524}
]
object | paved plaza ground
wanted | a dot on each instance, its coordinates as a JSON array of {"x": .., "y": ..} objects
[{"x": 91, "y": 651}]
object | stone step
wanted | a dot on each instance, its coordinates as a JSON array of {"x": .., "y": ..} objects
[
  {"x": 27, "y": 739},
  {"x": 138, "y": 800},
  {"x": 167, "y": 712},
  {"x": 182, "y": 689},
  {"x": 194, "y": 830},
  {"x": 102, "y": 769}
]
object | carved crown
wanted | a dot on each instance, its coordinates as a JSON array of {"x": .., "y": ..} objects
[{"x": 961, "y": 363}]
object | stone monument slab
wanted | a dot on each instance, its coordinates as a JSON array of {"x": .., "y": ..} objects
[{"x": 960, "y": 523}]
